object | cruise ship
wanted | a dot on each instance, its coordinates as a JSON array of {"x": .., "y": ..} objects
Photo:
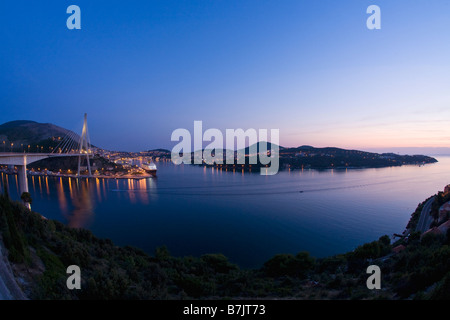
[{"x": 149, "y": 168}]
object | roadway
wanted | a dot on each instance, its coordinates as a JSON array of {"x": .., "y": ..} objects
[
  {"x": 21, "y": 159},
  {"x": 425, "y": 218}
]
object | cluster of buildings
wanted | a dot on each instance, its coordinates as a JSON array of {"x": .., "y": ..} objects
[
  {"x": 131, "y": 159},
  {"x": 135, "y": 162},
  {"x": 129, "y": 162},
  {"x": 444, "y": 210},
  {"x": 443, "y": 223}
]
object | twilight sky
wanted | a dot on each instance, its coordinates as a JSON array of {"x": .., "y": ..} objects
[{"x": 142, "y": 69}]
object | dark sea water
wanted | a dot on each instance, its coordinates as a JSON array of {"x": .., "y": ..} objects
[{"x": 247, "y": 217}]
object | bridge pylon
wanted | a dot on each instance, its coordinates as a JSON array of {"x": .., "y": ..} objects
[{"x": 85, "y": 147}]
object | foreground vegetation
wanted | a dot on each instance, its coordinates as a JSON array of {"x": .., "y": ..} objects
[{"x": 40, "y": 251}]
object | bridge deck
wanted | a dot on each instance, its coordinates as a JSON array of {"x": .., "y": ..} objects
[
  {"x": 9, "y": 154},
  {"x": 20, "y": 159}
]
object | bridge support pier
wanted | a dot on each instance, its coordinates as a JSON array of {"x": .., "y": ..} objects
[
  {"x": 21, "y": 160},
  {"x": 23, "y": 181}
]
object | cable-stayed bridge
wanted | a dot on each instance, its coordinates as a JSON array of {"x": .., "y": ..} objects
[{"x": 72, "y": 145}]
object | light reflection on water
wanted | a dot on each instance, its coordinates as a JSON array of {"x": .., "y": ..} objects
[
  {"x": 247, "y": 217},
  {"x": 77, "y": 198}
]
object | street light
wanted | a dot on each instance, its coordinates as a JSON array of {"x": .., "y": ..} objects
[{"x": 12, "y": 144}]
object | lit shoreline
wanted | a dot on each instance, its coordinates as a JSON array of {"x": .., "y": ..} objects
[{"x": 98, "y": 176}]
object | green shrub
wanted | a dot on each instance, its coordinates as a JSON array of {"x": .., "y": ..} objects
[
  {"x": 289, "y": 265},
  {"x": 218, "y": 262},
  {"x": 442, "y": 291}
]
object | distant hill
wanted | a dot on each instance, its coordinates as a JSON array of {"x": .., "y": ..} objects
[
  {"x": 160, "y": 150},
  {"x": 331, "y": 157},
  {"x": 24, "y": 132}
]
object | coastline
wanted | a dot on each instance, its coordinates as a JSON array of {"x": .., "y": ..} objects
[{"x": 74, "y": 176}]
